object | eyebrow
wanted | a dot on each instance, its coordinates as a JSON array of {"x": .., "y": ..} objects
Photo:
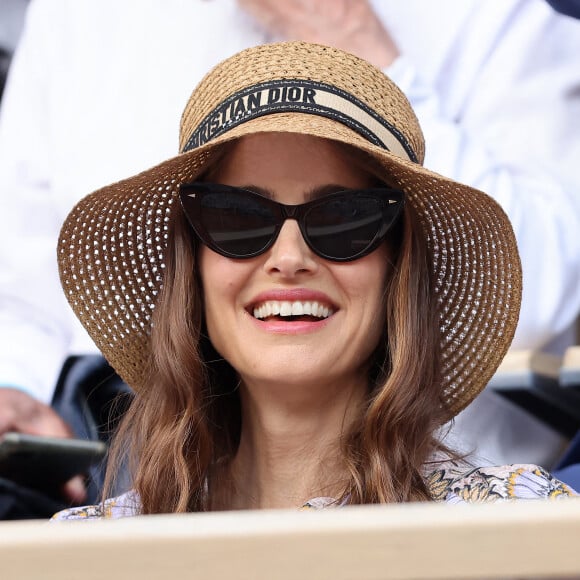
[{"x": 309, "y": 195}]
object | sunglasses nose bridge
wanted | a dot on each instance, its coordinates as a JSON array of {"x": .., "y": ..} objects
[{"x": 290, "y": 211}]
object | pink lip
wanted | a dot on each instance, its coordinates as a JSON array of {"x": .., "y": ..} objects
[{"x": 281, "y": 327}]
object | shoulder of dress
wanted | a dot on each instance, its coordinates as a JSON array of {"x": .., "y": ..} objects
[
  {"x": 125, "y": 505},
  {"x": 455, "y": 484}
]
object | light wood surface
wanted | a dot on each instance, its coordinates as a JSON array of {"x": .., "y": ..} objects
[
  {"x": 509, "y": 540},
  {"x": 519, "y": 366},
  {"x": 570, "y": 369}
]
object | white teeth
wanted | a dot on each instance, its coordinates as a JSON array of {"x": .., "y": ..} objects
[{"x": 295, "y": 308}]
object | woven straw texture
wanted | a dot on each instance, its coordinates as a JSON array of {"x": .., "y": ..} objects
[{"x": 111, "y": 247}]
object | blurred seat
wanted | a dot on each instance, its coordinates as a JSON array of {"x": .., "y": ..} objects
[{"x": 545, "y": 385}]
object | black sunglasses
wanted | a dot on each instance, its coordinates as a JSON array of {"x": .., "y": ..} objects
[{"x": 238, "y": 223}]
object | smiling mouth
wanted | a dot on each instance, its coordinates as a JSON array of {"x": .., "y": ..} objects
[{"x": 292, "y": 311}]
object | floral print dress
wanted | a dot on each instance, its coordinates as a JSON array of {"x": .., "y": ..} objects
[{"x": 451, "y": 484}]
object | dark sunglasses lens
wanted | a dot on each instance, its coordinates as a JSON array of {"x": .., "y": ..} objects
[
  {"x": 237, "y": 223},
  {"x": 344, "y": 227}
]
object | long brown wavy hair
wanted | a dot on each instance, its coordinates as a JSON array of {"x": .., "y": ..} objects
[{"x": 187, "y": 419}]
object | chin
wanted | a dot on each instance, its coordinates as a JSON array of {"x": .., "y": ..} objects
[{"x": 295, "y": 375}]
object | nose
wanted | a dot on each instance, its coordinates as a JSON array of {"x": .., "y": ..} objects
[{"x": 290, "y": 255}]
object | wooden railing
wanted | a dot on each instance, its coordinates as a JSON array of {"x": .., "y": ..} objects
[{"x": 527, "y": 539}]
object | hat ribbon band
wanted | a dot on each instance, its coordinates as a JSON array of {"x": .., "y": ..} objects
[{"x": 300, "y": 96}]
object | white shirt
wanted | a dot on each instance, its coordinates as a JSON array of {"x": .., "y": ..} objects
[{"x": 98, "y": 86}]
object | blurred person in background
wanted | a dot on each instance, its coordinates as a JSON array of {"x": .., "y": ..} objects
[
  {"x": 11, "y": 20},
  {"x": 568, "y": 7},
  {"x": 93, "y": 96}
]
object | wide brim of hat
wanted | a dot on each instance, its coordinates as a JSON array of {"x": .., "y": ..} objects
[{"x": 111, "y": 257}]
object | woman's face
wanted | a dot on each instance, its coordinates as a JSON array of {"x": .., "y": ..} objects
[{"x": 330, "y": 347}]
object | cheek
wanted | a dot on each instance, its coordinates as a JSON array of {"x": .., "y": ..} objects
[
  {"x": 212, "y": 270},
  {"x": 367, "y": 281},
  {"x": 221, "y": 281},
  {"x": 219, "y": 274},
  {"x": 368, "y": 277}
]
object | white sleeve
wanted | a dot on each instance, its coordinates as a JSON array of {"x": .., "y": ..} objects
[
  {"x": 34, "y": 333},
  {"x": 514, "y": 132}
]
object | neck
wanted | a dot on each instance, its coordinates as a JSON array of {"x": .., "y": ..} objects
[{"x": 290, "y": 447}]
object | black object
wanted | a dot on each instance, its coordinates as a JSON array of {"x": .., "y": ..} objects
[
  {"x": 339, "y": 226},
  {"x": 46, "y": 463},
  {"x": 5, "y": 58},
  {"x": 22, "y": 503},
  {"x": 91, "y": 398},
  {"x": 566, "y": 7}
]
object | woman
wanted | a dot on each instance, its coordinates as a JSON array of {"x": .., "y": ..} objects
[{"x": 298, "y": 304}]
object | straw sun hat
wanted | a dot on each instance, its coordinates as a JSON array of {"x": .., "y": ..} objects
[{"x": 112, "y": 244}]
